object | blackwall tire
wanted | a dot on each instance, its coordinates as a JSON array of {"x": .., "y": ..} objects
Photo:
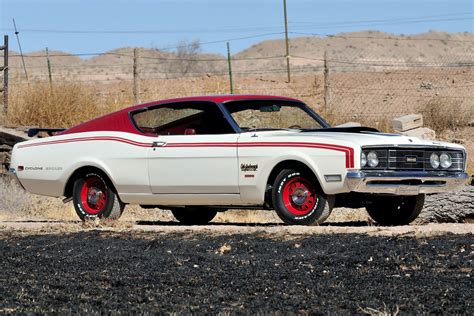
[
  {"x": 298, "y": 199},
  {"x": 194, "y": 215},
  {"x": 396, "y": 210},
  {"x": 94, "y": 197}
]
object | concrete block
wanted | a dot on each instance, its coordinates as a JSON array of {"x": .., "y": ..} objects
[
  {"x": 421, "y": 132},
  {"x": 350, "y": 124},
  {"x": 407, "y": 122}
]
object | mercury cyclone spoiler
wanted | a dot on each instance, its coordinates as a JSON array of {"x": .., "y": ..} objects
[{"x": 197, "y": 156}]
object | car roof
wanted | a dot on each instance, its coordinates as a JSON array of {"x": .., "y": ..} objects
[
  {"x": 120, "y": 120},
  {"x": 221, "y": 98}
]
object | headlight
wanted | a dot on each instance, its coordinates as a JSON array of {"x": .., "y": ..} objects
[
  {"x": 363, "y": 160},
  {"x": 445, "y": 160},
  {"x": 372, "y": 159},
  {"x": 434, "y": 160}
]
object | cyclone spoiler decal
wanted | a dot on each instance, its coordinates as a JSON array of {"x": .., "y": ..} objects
[{"x": 348, "y": 151}]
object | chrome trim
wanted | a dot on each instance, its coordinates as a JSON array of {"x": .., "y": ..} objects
[
  {"x": 432, "y": 181},
  {"x": 13, "y": 172}
]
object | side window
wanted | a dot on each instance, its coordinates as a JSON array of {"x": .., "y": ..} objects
[
  {"x": 160, "y": 117},
  {"x": 182, "y": 119}
]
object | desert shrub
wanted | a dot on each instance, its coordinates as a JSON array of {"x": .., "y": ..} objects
[
  {"x": 441, "y": 114},
  {"x": 60, "y": 105}
]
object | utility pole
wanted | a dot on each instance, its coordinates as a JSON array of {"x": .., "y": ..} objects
[
  {"x": 136, "y": 77},
  {"x": 286, "y": 42},
  {"x": 229, "y": 62},
  {"x": 327, "y": 84},
  {"x": 4, "y": 47},
  {"x": 50, "y": 75},
  {"x": 21, "y": 52}
]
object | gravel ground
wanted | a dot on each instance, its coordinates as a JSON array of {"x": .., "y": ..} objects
[{"x": 131, "y": 270}]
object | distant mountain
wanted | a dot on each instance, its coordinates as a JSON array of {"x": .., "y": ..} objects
[{"x": 345, "y": 52}]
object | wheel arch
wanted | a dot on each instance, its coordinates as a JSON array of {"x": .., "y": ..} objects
[{"x": 78, "y": 172}]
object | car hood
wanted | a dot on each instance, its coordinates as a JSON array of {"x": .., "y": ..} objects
[{"x": 360, "y": 138}]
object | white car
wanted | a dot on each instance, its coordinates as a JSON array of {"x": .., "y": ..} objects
[{"x": 200, "y": 155}]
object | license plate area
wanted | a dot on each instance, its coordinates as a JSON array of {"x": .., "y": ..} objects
[{"x": 408, "y": 190}]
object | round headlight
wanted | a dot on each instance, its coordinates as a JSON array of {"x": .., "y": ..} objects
[
  {"x": 445, "y": 160},
  {"x": 434, "y": 160},
  {"x": 372, "y": 159},
  {"x": 363, "y": 159}
]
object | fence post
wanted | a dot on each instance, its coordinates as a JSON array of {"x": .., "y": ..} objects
[
  {"x": 136, "y": 77},
  {"x": 5, "y": 73},
  {"x": 50, "y": 75},
  {"x": 229, "y": 62},
  {"x": 327, "y": 84}
]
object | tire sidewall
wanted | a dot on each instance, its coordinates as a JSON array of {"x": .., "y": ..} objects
[
  {"x": 288, "y": 217},
  {"x": 385, "y": 211},
  {"x": 78, "y": 203}
]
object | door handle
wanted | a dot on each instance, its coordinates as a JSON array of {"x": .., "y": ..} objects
[{"x": 158, "y": 144}]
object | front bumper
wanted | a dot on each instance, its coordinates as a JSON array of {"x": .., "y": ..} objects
[
  {"x": 12, "y": 171},
  {"x": 404, "y": 182}
]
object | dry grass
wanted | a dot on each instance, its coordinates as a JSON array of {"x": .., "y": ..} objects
[
  {"x": 59, "y": 105},
  {"x": 441, "y": 114}
]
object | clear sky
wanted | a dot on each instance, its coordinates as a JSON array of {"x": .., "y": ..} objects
[{"x": 86, "y": 26}]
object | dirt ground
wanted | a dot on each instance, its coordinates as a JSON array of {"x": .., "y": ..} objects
[{"x": 161, "y": 267}]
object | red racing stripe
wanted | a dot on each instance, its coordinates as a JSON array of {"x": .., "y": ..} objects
[{"x": 349, "y": 151}]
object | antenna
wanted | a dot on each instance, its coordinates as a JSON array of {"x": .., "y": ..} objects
[{"x": 21, "y": 51}]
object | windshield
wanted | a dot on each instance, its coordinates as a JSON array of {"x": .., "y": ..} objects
[{"x": 273, "y": 115}]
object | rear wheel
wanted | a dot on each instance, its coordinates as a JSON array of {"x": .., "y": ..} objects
[
  {"x": 396, "y": 210},
  {"x": 194, "y": 215},
  {"x": 298, "y": 199},
  {"x": 94, "y": 198}
]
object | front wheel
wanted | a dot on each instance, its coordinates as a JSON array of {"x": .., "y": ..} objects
[
  {"x": 298, "y": 200},
  {"x": 396, "y": 210},
  {"x": 94, "y": 198},
  {"x": 194, "y": 215}
]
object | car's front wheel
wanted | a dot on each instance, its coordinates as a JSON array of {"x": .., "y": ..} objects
[
  {"x": 94, "y": 198},
  {"x": 396, "y": 210},
  {"x": 298, "y": 199},
  {"x": 194, "y": 215}
]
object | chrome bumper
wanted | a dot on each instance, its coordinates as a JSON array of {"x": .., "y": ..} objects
[
  {"x": 404, "y": 182},
  {"x": 12, "y": 171}
]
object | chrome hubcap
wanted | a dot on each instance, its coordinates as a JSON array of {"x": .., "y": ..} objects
[
  {"x": 299, "y": 196},
  {"x": 93, "y": 196}
]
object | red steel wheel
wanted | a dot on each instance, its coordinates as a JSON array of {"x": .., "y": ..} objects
[
  {"x": 94, "y": 196},
  {"x": 298, "y": 199},
  {"x": 299, "y": 196}
]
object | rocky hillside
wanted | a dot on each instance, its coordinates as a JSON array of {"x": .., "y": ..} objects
[{"x": 345, "y": 51}]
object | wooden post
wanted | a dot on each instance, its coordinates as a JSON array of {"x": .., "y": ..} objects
[
  {"x": 327, "y": 84},
  {"x": 229, "y": 62},
  {"x": 286, "y": 42},
  {"x": 136, "y": 77},
  {"x": 50, "y": 75},
  {"x": 5, "y": 74}
]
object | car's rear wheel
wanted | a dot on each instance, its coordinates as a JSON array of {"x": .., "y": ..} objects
[
  {"x": 194, "y": 215},
  {"x": 94, "y": 197},
  {"x": 396, "y": 210},
  {"x": 298, "y": 199}
]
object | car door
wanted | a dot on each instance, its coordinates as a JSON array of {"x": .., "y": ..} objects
[
  {"x": 190, "y": 155},
  {"x": 194, "y": 164}
]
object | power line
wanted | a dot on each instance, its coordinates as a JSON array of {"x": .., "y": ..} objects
[
  {"x": 454, "y": 14},
  {"x": 224, "y": 29},
  {"x": 386, "y": 23}
]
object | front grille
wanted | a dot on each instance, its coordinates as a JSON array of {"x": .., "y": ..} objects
[{"x": 413, "y": 159}]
